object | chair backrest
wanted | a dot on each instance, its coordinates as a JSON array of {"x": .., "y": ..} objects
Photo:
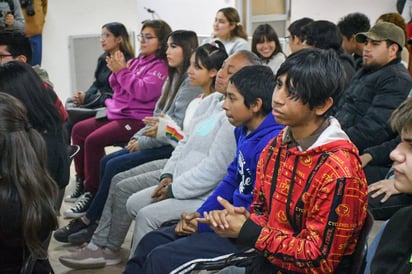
[{"x": 359, "y": 256}]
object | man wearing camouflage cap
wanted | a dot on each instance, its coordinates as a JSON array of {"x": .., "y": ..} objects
[{"x": 374, "y": 92}]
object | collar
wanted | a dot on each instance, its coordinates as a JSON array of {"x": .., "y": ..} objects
[{"x": 304, "y": 143}]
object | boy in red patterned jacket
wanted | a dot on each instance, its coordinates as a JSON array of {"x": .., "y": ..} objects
[{"x": 310, "y": 197}]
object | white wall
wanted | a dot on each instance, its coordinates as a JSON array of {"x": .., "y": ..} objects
[
  {"x": 196, "y": 15},
  {"x": 333, "y": 10},
  {"x": 78, "y": 17}
]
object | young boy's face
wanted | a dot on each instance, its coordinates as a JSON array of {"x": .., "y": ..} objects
[
  {"x": 234, "y": 105},
  {"x": 402, "y": 163},
  {"x": 288, "y": 111}
]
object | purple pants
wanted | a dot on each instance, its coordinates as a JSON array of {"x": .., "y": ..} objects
[{"x": 93, "y": 136}]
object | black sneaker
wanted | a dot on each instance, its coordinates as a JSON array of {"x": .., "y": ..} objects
[
  {"x": 63, "y": 233},
  {"x": 77, "y": 192},
  {"x": 81, "y": 206},
  {"x": 83, "y": 236}
]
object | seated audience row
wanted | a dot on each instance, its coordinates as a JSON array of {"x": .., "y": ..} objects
[
  {"x": 162, "y": 104},
  {"x": 80, "y": 260}
]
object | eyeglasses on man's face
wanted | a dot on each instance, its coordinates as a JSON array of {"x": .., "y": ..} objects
[
  {"x": 145, "y": 37},
  {"x": 2, "y": 56}
]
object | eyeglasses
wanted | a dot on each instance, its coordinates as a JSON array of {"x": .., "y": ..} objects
[
  {"x": 145, "y": 38},
  {"x": 4, "y": 55},
  {"x": 104, "y": 36}
]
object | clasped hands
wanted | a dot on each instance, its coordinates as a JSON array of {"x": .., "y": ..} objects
[
  {"x": 161, "y": 192},
  {"x": 9, "y": 19},
  {"x": 78, "y": 98},
  {"x": 116, "y": 61},
  {"x": 226, "y": 222}
]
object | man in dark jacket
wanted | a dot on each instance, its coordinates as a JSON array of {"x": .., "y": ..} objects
[
  {"x": 379, "y": 87},
  {"x": 349, "y": 26}
]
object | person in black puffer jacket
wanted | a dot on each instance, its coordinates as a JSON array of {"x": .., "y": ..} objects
[{"x": 376, "y": 90}]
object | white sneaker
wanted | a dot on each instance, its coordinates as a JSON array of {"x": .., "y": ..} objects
[
  {"x": 111, "y": 257},
  {"x": 77, "y": 192},
  {"x": 81, "y": 206}
]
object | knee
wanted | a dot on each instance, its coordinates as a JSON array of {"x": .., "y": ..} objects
[
  {"x": 116, "y": 180},
  {"x": 92, "y": 140},
  {"x": 157, "y": 254},
  {"x": 125, "y": 187},
  {"x": 114, "y": 163},
  {"x": 143, "y": 215},
  {"x": 131, "y": 207}
]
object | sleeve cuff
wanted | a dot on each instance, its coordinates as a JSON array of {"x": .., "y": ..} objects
[
  {"x": 249, "y": 233},
  {"x": 170, "y": 191},
  {"x": 165, "y": 175}
]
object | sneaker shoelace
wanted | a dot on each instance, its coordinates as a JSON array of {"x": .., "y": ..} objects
[
  {"x": 71, "y": 224},
  {"x": 77, "y": 190},
  {"x": 79, "y": 206}
]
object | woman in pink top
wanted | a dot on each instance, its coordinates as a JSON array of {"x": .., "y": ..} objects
[{"x": 137, "y": 86}]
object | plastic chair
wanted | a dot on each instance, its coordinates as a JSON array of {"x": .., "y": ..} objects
[{"x": 359, "y": 256}]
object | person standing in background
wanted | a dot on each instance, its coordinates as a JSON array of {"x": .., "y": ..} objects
[
  {"x": 11, "y": 16},
  {"x": 34, "y": 12}
]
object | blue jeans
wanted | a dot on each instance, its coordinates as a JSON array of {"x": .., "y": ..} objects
[
  {"x": 161, "y": 251},
  {"x": 36, "y": 44},
  {"x": 372, "y": 248},
  {"x": 117, "y": 162}
]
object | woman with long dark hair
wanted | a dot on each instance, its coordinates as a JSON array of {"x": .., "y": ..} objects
[
  {"x": 21, "y": 81},
  {"x": 27, "y": 192}
]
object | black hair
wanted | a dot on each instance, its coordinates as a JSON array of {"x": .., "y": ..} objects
[
  {"x": 353, "y": 23},
  {"x": 17, "y": 44},
  {"x": 323, "y": 34},
  {"x": 162, "y": 31},
  {"x": 262, "y": 32},
  {"x": 295, "y": 28},
  {"x": 399, "y": 51},
  {"x": 255, "y": 82},
  {"x": 211, "y": 57},
  {"x": 24, "y": 180},
  {"x": 187, "y": 40},
  {"x": 20, "y": 80},
  {"x": 313, "y": 76},
  {"x": 119, "y": 30}
]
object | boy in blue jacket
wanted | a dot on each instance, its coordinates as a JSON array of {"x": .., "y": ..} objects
[{"x": 248, "y": 107}]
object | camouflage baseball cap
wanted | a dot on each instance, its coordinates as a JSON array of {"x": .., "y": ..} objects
[{"x": 383, "y": 31}]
